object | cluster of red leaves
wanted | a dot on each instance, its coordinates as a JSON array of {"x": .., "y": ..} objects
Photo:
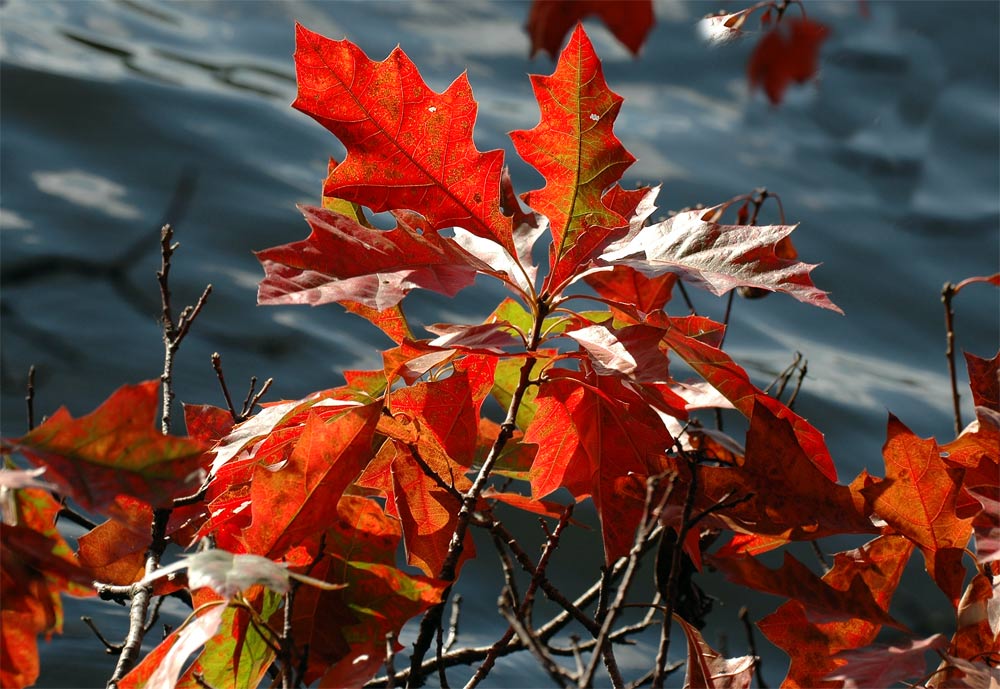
[
  {"x": 332, "y": 484},
  {"x": 787, "y": 53}
]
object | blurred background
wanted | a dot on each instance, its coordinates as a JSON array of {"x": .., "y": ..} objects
[{"x": 117, "y": 115}]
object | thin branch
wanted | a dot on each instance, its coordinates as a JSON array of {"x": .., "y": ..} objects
[
  {"x": 670, "y": 594},
  {"x": 109, "y": 648},
  {"x": 752, "y": 642},
  {"x": 438, "y": 651},
  {"x": 524, "y": 610},
  {"x": 947, "y": 294},
  {"x": 173, "y": 333},
  {"x": 432, "y": 618},
  {"x": 473, "y": 654},
  {"x": 456, "y": 610},
  {"x": 29, "y": 397},
  {"x": 390, "y": 654},
  {"x": 74, "y": 516},
  {"x": 820, "y": 556},
  {"x": 687, "y": 299},
  {"x": 253, "y": 399},
  {"x": 651, "y": 516},
  {"x": 803, "y": 369},
  {"x": 530, "y": 640},
  {"x": 217, "y": 365},
  {"x": 155, "y": 614}
]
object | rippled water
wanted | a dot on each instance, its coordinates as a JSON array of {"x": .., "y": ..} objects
[{"x": 117, "y": 115}]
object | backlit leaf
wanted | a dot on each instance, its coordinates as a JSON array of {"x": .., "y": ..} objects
[
  {"x": 407, "y": 146},
  {"x": 116, "y": 449},
  {"x": 708, "y": 669},
  {"x": 918, "y": 499},
  {"x": 812, "y": 646},
  {"x": 575, "y": 149},
  {"x": 292, "y": 503},
  {"x": 718, "y": 257},
  {"x": 344, "y": 261},
  {"x": 883, "y": 666}
]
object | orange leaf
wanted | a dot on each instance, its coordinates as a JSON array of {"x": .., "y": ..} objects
[
  {"x": 295, "y": 502},
  {"x": 918, "y": 499},
  {"x": 116, "y": 450},
  {"x": 811, "y": 645},
  {"x": 407, "y": 146},
  {"x": 575, "y": 149}
]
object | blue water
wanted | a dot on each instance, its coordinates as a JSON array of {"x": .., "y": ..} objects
[{"x": 889, "y": 161}]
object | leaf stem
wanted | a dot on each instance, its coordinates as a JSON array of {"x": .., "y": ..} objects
[{"x": 948, "y": 293}]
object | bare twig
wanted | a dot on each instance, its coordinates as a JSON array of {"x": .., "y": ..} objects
[
  {"x": 432, "y": 618},
  {"x": 29, "y": 397},
  {"x": 651, "y": 516},
  {"x": 670, "y": 594},
  {"x": 456, "y": 610},
  {"x": 524, "y": 610},
  {"x": 217, "y": 365},
  {"x": 253, "y": 398},
  {"x": 752, "y": 642},
  {"x": 390, "y": 654},
  {"x": 438, "y": 651},
  {"x": 803, "y": 369},
  {"x": 947, "y": 294},
  {"x": 820, "y": 556},
  {"x": 174, "y": 332},
  {"x": 687, "y": 299},
  {"x": 473, "y": 654},
  {"x": 506, "y": 606},
  {"x": 109, "y": 647}
]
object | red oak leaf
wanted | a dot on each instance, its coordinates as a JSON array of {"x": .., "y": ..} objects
[
  {"x": 792, "y": 498},
  {"x": 695, "y": 340},
  {"x": 719, "y": 257},
  {"x": 984, "y": 379},
  {"x": 550, "y": 20},
  {"x": 428, "y": 512},
  {"x": 344, "y": 261},
  {"x": 207, "y": 423},
  {"x": 383, "y": 598},
  {"x": 234, "y": 654},
  {"x": 812, "y": 645},
  {"x": 488, "y": 338},
  {"x": 115, "y": 551},
  {"x": 38, "y": 565},
  {"x": 626, "y": 285},
  {"x": 883, "y": 666},
  {"x": 783, "y": 57},
  {"x": 823, "y": 600},
  {"x": 918, "y": 500},
  {"x": 708, "y": 669},
  {"x": 978, "y": 633},
  {"x": 592, "y": 439},
  {"x": 986, "y": 524},
  {"x": 446, "y": 417},
  {"x": 407, "y": 146},
  {"x": 412, "y": 359},
  {"x": 292, "y": 503},
  {"x": 391, "y": 320},
  {"x": 575, "y": 149},
  {"x": 116, "y": 450},
  {"x": 163, "y": 666}
]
